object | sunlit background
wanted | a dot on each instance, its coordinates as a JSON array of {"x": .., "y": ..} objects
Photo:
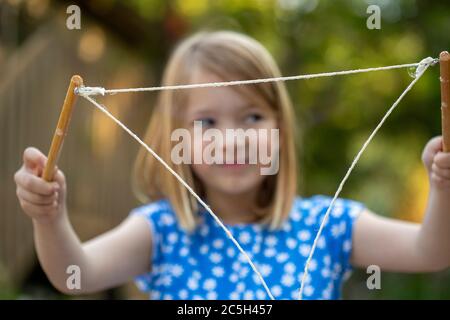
[{"x": 127, "y": 43}]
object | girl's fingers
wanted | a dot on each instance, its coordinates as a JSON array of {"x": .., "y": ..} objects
[
  {"x": 34, "y": 184},
  {"x": 431, "y": 149},
  {"x": 440, "y": 181},
  {"x": 442, "y": 159},
  {"x": 59, "y": 178},
  {"x": 441, "y": 172},
  {"x": 33, "y": 209},
  {"x": 36, "y": 199},
  {"x": 436, "y": 144},
  {"x": 33, "y": 159}
]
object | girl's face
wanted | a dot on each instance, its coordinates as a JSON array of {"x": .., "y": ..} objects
[{"x": 225, "y": 108}]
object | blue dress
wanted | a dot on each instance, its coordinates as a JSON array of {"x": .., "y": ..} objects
[{"x": 207, "y": 265}]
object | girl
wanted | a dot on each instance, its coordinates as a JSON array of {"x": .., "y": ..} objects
[{"x": 176, "y": 250}]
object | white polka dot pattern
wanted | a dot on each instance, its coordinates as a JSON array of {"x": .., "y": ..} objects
[{"x": 206, "y": 264}]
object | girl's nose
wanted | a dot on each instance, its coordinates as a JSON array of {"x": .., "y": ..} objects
[{"x": 234, "y": 144}]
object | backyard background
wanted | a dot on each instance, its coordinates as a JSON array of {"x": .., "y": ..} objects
[{"x": 127, "y": 43}]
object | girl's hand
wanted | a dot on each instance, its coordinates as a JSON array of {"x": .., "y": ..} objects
[
  {"x": 41, "y": 200},
  {"x": 437, "y": 163}
]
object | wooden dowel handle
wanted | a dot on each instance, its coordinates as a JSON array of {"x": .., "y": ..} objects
[
  {"x": 444, "y": 62},
  {"x": 61, "y": 128}
]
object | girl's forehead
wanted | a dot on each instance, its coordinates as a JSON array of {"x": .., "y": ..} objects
[
  {"x": 210, "y": 99},
  {"x": 218, "y": 100},
  {"x": 200, "y": 74},
  {"x": 227, "y": 98},
  {"x": 224, "y": 100}
]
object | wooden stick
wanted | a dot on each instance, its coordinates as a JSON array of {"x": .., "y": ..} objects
[
  {"x": 444, "y": 61},
  {"x": 61, "y": 128}
]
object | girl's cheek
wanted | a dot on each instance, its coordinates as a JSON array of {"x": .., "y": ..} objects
[
  {"x": 203, "y": 172},
  {"x": 197, "y": 153},
  {"x": 195, "y": 145},
  {"x": 268, "y": 147}
]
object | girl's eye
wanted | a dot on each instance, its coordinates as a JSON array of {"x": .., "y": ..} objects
[
  {"x": 254, "y": 117},
  {"x": 207, "y": 122}
]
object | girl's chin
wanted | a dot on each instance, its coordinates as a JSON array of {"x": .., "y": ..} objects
[
  {"x": 233, "y": 181},
  {"x": 235, "y": 187},
  {"x": 233, "y": 167},
  {"x": 233, "y": 193},
  {"x": 237, "y": 169}
]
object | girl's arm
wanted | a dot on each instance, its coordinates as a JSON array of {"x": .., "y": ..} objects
[
  {"x": 104, "y": 262},
  {"x": 400, "y": 246}
]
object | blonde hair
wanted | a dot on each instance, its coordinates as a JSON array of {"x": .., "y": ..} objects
[{"x": 230, "y": 56}]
